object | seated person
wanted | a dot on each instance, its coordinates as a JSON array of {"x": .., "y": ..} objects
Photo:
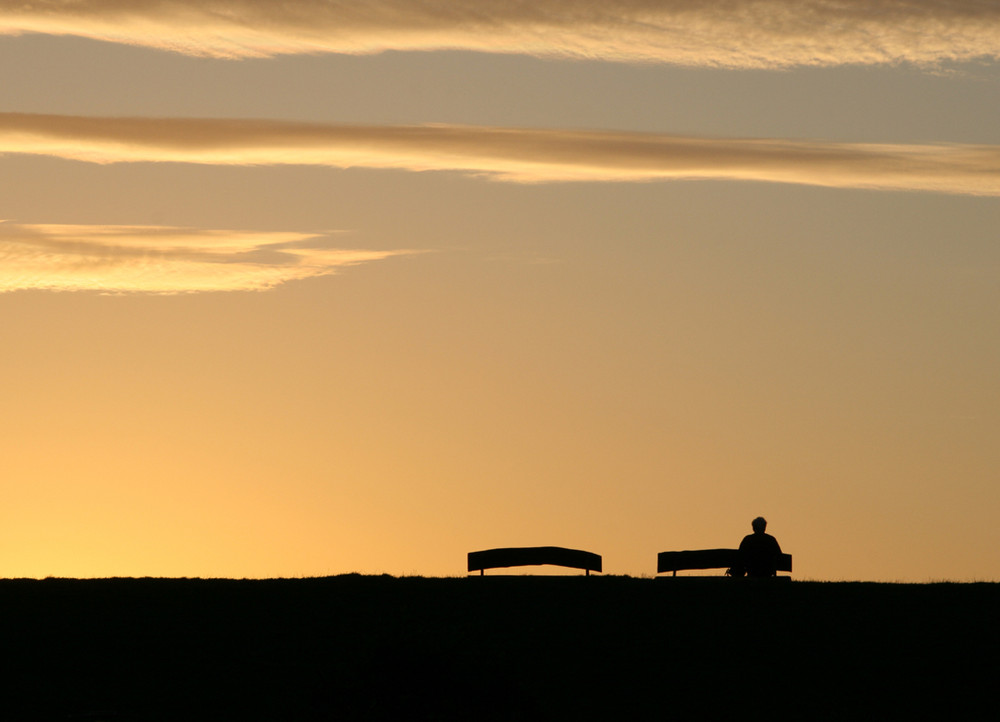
[{"x": 759, "y": 552}]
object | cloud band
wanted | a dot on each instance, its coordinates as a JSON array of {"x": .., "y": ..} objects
[
  {"x": 158, "y": 259},
  {"x": 727, "y": 33},
  {"x": 510, "y": 154}
]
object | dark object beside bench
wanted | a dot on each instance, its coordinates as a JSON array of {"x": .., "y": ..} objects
[
  {"x": 708, "y": 559},
  {"x": 533, "y": 556}
]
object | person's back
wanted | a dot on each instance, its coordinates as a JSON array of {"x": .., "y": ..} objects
[{"x": 759, "y": 552}]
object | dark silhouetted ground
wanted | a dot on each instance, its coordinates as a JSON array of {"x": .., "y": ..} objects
[{"x": 494, "y": 648}]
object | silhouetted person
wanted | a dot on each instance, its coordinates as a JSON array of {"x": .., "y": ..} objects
[{"x": 759, "y": 552}]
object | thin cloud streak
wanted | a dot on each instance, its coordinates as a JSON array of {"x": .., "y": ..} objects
[
  {"x": 722, "y": 33},
  {"x": 163, "y": 260},
  {"x": 509, "y": 154}
]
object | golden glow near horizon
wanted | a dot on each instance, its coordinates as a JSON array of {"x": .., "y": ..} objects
[{"x": 554, "y": 310}]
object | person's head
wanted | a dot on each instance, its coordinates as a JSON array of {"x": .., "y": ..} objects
[{"x": 759, "y": 525}]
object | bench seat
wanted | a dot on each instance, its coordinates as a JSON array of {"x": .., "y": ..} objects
[
  {"x": 708, "y": 559},
  {"x": 534, "y": 556}
]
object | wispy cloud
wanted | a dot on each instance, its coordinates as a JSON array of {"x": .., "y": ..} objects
[
  {"x": 731, "y": 33},
  {"x": 158, "y": 259},
  {"x": 511, "y": 154}
]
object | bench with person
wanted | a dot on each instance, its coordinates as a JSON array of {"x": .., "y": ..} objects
[{"x": 759, "y": 556}]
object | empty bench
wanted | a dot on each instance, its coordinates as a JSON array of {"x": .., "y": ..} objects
[
  {"x": 533, "y": 556},
  {"x": 708, "y": 559}
]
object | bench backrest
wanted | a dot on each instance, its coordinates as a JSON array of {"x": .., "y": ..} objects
[
  {"x": 708, "y": 559},
  {"x": 532, "y": 556}
]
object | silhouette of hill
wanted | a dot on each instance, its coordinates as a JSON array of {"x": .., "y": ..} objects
[{"x": 492, "y": 648}]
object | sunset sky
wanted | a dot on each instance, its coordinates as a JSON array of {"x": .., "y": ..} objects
[{"x": 316, "y": 287}]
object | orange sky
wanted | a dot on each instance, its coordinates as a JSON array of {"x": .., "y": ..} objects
[{"x": 377, "y": 328}]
